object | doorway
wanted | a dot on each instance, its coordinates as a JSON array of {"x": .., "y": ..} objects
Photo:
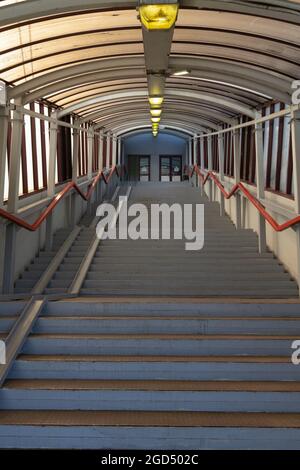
[
  {"x": 139, "y": 167},
  {"x": 170, "y": 168}
]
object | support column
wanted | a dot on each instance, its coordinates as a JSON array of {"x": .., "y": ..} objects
[
  {"x": 237, "y": 172},
  {"x": 4, "y": 117},
  {"x": 100, "y": 154},
  {"x": 90, "y": 137},
  {"x": 209, "y": 150},
  {"x": 190, "y": 152},
  {"x": 119, "y": 160},
  {"x": 51, "y": 177},
  {"x": 114, "y": 150},
  {"x": 221, "y": 171},
  {"x": 13, "y": 199},
  {"x": 108, "y": 145},
  {"x": 295, "y": 128},
  {"x": 260, "y": 183},
  {"x": 74, "y": 172}
]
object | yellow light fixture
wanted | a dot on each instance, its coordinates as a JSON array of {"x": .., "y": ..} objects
[
  {"x": 155, "y": 112},
  {"x": 159, "y": 16},
  {"x": 155, "y": 119},
  {"x": 156, "y": 101}
]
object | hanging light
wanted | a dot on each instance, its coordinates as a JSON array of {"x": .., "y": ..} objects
[
  {"x": 156, "y": 101},
  {"x": 158, "y": 16},
  {"x": 155, "y": 112},
  {"x": 155, "y": 119}
]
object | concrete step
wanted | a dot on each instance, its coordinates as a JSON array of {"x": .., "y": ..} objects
[
  {"x": 188, "y": 284},
  {"x": 174, "y": 307},
  {"x": 154, "y": 368},
  {"x": 188, "y": 325},
  {"x": 232, "y": 291},
  {"x": 221, "y": 396},
  {"x": 255, "y": 266},
  {"x": 186, "y": 276},
  {"x": 159, "y": 344},
  {"x": 155, "y": 430}
]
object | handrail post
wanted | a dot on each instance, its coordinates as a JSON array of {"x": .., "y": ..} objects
[
  {"x": 114, "y": 150},
  {"x": 201, "y": 162},
  {"x": 195, "y": 162},
  {"x": 90, "y": 139},
  {"x": 221, "y": 172},
  {"x": 4, "y": 118},
  {"x": 74, "y": 172},
  {"x": 13, "y": 198},
  {"x": 260, "y": 183},
  {"x": 51, "y": 177},
  {"x": 237, "y": 175},
  {"x": 295, "y": 128},
  {"x": 210, "y": 184}
]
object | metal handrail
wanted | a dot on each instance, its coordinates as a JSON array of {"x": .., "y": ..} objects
[
  {"x": 69, "y": 187},
  {"x": 256, "y": 203}
]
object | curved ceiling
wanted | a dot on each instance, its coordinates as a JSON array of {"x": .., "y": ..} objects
[{"x": 88, "y": 59}]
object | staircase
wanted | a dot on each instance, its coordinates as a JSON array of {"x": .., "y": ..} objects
[
  {"x": 141, "y": 360},
  {"x": 228, "y": 265},
  {"x": 156, "y": 375}
]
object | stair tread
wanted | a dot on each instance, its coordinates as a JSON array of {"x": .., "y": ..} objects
[
  {"x": 145, "y": 336},
  {"x": 150, "y": 418},
  {"x": 163, "y": 385},
  {"x": 124, "y": 358}
]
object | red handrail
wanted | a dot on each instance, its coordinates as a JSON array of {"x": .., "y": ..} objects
[
  {"x": 33, "y": 227},
  {"x": 240, "y": 187}
]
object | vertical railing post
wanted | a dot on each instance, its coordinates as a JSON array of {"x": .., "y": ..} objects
[
  {"x": 209, "y": 150},
  {"x": 190, "y": 152},
  {"x": 13, "y": 198},
  {"x": 221, "y": 171},
  {"x": 51, "y": 176},
  {"x": 4, "y": 118},
  {"x": 100, "y": 163},
  {"x": 260, "y": 182},
  {"x": 90, "y": 149},
  {"x": 74, "y": 170},
  {"x": 237, "y": 172},
  {"x": 195, "y": 158},
  {"x": 201, "y": 162},
  {"x": 295, "y": 128},
  {"x": 114, "y": 150}
]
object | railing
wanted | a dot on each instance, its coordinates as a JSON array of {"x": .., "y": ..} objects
[
  {"x": 55, "y": 201},
  {"x": 254, "y": 201}
]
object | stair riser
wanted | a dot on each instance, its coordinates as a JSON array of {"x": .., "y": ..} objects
[
  {"x": 153, "y": 371},
  {"x": 174, "y": 308},
  {"x": 245, "y": 293},
  {"x": 156, "y": 438},
  {"x": 177, "y": 347},
  {"x": 185, "y": 285},
  {"x": 118, "y": 326},
  {"x": 111, "y": 400}
]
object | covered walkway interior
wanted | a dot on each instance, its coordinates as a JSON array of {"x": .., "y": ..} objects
[{"x": 114, "y": 343}]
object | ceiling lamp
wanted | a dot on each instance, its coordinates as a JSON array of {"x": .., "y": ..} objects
[
  {"x": 156, "y": 101},
  {"x": 155, "y": 112},
  {"x": 155, "y": 119},
  {"x": 181, "y": 73},
  {"x": 157, "y": 15}
]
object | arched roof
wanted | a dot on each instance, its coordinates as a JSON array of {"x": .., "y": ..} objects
[{"x": 88, "y": 57}]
